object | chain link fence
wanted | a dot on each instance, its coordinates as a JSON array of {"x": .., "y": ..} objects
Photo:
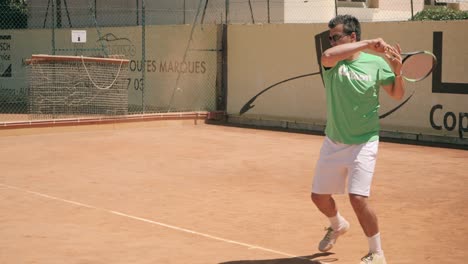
[{"x": 174, "y": 48}]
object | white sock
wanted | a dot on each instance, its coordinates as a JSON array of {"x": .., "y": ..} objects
[
  {"x": 336, "y": 221},
  {"x": 375, "y": 246}
]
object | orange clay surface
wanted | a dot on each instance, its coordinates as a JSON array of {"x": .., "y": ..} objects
[{"x": 173, "y": 192}]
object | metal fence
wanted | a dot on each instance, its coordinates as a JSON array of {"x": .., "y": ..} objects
[
  {"x": 172, "y": 68},
  {"x": 81, "y": 13}
]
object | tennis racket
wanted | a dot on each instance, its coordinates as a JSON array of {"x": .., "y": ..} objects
[{"x": 418, "y": 65}]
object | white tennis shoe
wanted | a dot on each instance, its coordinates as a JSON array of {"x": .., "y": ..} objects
[
  {"x": 331, "y": 236},
  {"x": 373, "y": 258}
]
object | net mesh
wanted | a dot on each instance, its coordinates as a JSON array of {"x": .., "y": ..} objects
[{"x": 73, "y": 86}]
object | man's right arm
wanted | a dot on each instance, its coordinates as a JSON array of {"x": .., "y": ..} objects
[{"x": 333, "y": 55}]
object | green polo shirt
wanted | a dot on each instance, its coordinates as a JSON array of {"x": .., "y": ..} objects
[{"x": 352, "y": 91}]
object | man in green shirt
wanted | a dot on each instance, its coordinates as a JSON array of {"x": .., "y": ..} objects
[{"x": 352, "y": 80}]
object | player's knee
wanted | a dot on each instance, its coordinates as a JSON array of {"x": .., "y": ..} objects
[
  {"x": 357, "y": 201},
  {"x": 318, "y": 199}
]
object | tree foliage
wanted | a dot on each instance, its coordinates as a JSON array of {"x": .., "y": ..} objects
[
  {"x": 441, "y": 13},
  {"x": 13, "y": 14}
]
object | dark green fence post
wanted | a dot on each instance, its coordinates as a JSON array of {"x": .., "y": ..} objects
[{"x": 143, "y": 53}]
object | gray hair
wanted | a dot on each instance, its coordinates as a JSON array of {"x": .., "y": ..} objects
[{"x": 350, "y": 24}]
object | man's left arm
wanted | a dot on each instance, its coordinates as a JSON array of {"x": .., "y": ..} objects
[{"x": 396, "y": 89}]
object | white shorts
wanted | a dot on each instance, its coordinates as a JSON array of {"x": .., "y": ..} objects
[{"x": 339, "y": 163}]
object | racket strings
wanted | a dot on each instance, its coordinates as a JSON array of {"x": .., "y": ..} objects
[{"x": 418, "y": 66}]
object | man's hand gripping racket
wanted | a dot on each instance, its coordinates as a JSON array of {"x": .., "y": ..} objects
[{"x": 413, "y": 66}]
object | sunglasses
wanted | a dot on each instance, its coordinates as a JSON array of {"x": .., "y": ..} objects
[{"x": 337, "y": 37}]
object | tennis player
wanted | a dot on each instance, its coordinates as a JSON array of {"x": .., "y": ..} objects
[{"x": 352, "y": 80}]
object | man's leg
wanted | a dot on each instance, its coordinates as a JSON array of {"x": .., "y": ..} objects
[
  {"x": 325, "y": 203},
  {"x": 330, "y": 178},
  {"x": 369, "y": 223},
  {"x": 338, "y": 225},
  {"x": 366, "y": 216}
]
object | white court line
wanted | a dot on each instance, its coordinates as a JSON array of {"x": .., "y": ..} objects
[{"x": 249, "y": 246}]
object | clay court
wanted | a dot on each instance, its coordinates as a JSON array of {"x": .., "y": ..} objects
[{"x": 183, "y": 192}]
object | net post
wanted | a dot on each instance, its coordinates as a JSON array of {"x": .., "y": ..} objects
[{"x": 143, "y": 54}]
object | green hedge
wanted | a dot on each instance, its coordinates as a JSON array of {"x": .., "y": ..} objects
[
  {"x": 441, "y": 13},
  {"x": 13, "y": 14}
]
